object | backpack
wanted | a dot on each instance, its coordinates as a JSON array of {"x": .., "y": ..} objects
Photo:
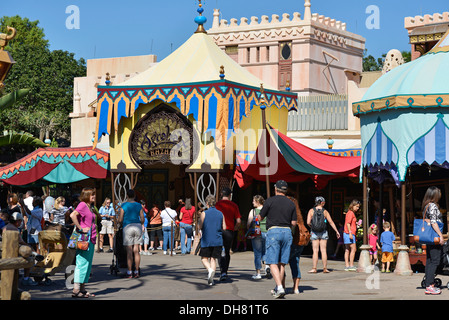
[{"x": 318, "y": 221}]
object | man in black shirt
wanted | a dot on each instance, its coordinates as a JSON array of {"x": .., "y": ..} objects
[{"x": 281, "y": 217}]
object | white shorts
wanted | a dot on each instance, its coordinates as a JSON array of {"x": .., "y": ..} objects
[
  {"x": 106, "y": 227},
  {"x": 132, "y": 234}
]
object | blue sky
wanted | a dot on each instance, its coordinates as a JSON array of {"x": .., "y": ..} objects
[{"x": 112, "y": 28}]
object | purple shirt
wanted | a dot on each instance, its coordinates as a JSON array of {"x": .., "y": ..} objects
[{"x": 86, "y": 219}]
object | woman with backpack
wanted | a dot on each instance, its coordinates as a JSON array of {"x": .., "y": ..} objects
[{"x": 317, "y": 219}]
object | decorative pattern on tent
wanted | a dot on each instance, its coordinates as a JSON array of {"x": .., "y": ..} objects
[
  {"x": 57, "y": 165},
  {"x": 380, "y": 150},
  {"x": 293, "y": 162},
  {"x": 225, "y": 102},
  {"x": 433, "y": 147}
]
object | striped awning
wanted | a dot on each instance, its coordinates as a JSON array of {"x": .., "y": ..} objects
[
  {"x": 380, "y": 150},
  {"x": 433, "y": 147}
]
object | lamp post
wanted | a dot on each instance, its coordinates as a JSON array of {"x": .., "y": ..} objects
[
  {"x": 6, "y": 61},
  {"x": 264, "y": 128}
]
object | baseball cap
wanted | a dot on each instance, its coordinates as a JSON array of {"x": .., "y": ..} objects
[
  {"x": 15, "y": 216},
  {"x": 281, "y": 185}
]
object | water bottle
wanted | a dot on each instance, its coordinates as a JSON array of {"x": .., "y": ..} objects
[{"x": 223, "y": 254}]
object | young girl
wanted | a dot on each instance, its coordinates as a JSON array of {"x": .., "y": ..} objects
[{"x": 373, "y": 242}]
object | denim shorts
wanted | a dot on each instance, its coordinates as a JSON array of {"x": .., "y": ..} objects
[
  {"x": 278, "y": 243},
  {"x": 348, "y": 240},
  {"x": 319, "y": 235}
]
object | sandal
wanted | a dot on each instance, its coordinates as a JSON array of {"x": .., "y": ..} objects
[
  {"x": 78, "y": 294},
  {"x": 312, "y": 271},
  {"x": 87, "y": 294},
  {"x": 326, "y": 271}
]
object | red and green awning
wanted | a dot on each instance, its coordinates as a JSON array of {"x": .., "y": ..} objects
[{"x": 292, "y": 161}]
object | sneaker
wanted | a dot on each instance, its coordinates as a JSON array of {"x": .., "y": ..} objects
[
  {"x": 152, "y": 249},
  {"x": 110, "y": 250},
  {"x": 28, "y": 282},
  {"x": 159, "y": 248},
  {"x": 223, "y": 277},
  {"x": 268, "y": 272},
  {"x": 432, "y": 290},
  {"x": 165, "y": 252},
  {"x": 210, "y": 277},
  {"x": 278, "y": 293},
  {"x": 256, "y": 276}
]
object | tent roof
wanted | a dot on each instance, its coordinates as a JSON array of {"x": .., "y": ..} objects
[
  {"x": 57, "y": 165},
  {"x": 198, "y": 60},
  {"x": 291, "y": 161},
  {"x": 421, "y": 83}
]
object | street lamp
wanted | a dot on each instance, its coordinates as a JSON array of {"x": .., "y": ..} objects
[{"x": 6, "y": 61}]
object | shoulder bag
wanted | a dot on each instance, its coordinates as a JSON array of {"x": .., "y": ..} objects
[
  {"x": 254, "y": 229},
  {"x": 423, "y": 231}
]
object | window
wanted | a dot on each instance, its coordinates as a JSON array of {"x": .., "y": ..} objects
[{"x": 286, "y": 50}]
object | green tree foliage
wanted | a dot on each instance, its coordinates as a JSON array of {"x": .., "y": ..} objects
[
  {"x": 49, "y": 77},
  {"x": 372, "y": 64}
]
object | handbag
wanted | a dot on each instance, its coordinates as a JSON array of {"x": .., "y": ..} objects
[
  {"x": 74, "y": 238},
  {"x": 79, "y": 240},
  {"x": 254, "y": 229},
  {"x": 423, "y": 231},
  {"x": 304, "y": 235}
]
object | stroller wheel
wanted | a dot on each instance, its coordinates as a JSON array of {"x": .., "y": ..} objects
[
  {"x": 423, "y": 283},
  {"x": 438, "y": 282}
]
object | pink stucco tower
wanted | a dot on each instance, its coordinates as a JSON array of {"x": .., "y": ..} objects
[{"x": 310, "y": 53}]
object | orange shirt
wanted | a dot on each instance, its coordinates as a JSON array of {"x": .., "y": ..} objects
[
  {"x": 155, "y": 216},
  {"x": 351, "y": 219}
]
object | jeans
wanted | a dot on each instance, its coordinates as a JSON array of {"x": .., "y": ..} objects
[
  {"x": 228, "y": 236},
  {"x": 167, "y": 232},
  {"x": 259, "y": 249},
  {"x": 279, "y": 241},
  {"x": 186, "y": 230},
  {"x": 295, "y": 254},
  {"x": 433, "y": 261}
]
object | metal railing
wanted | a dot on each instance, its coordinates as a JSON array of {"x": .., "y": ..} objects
[{"x": 320, "y": 112}]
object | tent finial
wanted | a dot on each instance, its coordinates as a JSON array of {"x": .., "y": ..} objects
[{"x": 200, "y": 20}]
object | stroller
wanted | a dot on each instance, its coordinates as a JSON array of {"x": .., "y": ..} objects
[
  {"x": 57, "y": 257},
  {"x": 444, "y": 264},
  {"x": 119, "y": 258},
  {"x": 119, "y": 255}
]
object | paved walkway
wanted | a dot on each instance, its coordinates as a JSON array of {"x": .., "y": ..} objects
[{"x": 183, "y": 278}]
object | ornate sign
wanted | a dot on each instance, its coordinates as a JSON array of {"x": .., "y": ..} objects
[{"x": 163, "y": 137}]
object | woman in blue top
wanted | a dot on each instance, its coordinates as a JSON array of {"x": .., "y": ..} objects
[
  {"x": 132, "y": 220},
  {"x": 211, "y": 224}
]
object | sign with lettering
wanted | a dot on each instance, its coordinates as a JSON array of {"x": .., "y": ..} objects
[{"x": 162, "y": 137}]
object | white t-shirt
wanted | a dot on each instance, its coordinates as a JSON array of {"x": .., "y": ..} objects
[
  {"x": 29, "y": 203},
  {"x": 168, "y": 215}
]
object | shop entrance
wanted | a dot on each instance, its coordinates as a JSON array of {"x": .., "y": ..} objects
[{"x": 152, "y": 186}]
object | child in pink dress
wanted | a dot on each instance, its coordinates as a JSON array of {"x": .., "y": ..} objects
[{"x": 373, "y": 242}]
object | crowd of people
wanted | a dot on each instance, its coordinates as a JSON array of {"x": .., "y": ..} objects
[{"x": 275, "y": 227}]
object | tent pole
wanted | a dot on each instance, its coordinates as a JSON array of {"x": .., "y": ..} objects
[
  {"x": 264, "y": 128},
  {"x": 365, "y": 207},
  {"x": 403, "y": 213}
]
